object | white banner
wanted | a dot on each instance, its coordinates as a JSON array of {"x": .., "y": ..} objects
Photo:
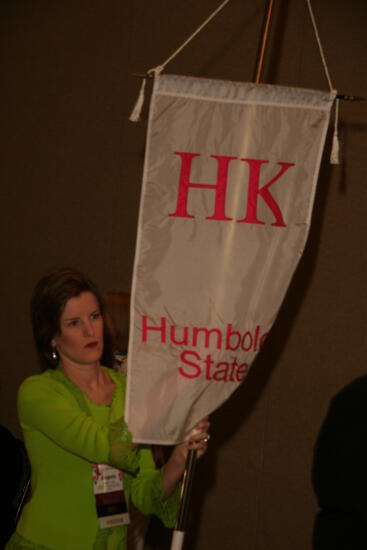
[{"x": 228, "y": 187}]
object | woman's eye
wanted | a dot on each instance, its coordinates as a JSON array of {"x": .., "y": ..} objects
[
  {"x": 95, "y": 315},
  {"x": 73, "y": 323}
]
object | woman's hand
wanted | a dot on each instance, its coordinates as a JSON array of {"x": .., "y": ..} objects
[
  {"x": 175, "y": 467},
  {"x": 197, "y": 441}
]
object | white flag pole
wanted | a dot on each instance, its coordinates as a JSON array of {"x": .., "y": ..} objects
[{"x": 179, "y": 531}]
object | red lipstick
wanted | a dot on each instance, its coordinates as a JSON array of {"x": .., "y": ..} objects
[{"x": 91, "y": 345}]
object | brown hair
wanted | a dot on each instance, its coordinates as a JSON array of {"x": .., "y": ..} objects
[
  {"x": 117, "y": 308},
  {"x": 48, "y": 301}
]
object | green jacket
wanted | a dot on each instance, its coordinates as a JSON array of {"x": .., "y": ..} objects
[{"x": 64, "y": 432}]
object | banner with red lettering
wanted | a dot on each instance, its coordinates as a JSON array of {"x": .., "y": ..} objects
[{"x": 228, "y": 187}]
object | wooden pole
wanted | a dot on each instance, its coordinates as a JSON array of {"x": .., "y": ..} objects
[{"x": 264, "y": 39}]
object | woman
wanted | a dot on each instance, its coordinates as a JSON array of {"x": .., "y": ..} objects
[{"x": 72, "y": 420}]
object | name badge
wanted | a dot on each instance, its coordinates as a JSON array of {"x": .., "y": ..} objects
[{"x": 110, "y": 497}]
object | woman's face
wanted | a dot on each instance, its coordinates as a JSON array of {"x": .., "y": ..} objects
[{"x": 81, "y": 331}]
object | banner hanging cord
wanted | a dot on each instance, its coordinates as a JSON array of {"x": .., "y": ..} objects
[
  {"x": 136, "y": 112},
  {"x": 334, "y": 155}
]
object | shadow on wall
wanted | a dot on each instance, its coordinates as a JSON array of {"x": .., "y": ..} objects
[{"x": 346, "y": 133}]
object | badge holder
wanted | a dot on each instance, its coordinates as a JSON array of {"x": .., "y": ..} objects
[{"x": 110, "y": 497}]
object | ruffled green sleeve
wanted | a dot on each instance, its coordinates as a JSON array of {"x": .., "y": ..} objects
[
  {"x": 46, "y": 405},
  {"x": 121, "y": 456},
  {"x": 147, "y": 493},
  {"x": 17, "y": 542}
]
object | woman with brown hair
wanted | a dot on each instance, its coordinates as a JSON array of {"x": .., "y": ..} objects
[{"x": 85, "y": 468}]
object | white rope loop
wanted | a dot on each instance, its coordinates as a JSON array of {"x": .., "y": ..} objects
[
  {"x": 334, "y": 155},
  {"x": 192, "y": 36},
  {"x": 136, "y": 112},
  {"x": 323, "y": 59}
]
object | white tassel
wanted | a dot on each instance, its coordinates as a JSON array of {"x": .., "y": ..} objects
[
  {"x": 334, "y": 155},
  {"x": 136, "y": 112}
]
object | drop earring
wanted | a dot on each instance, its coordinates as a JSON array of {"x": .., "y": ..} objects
[{"x": 54, "y": 354}]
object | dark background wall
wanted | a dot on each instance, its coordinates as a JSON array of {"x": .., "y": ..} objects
[{"x": 70, "y": 173}]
